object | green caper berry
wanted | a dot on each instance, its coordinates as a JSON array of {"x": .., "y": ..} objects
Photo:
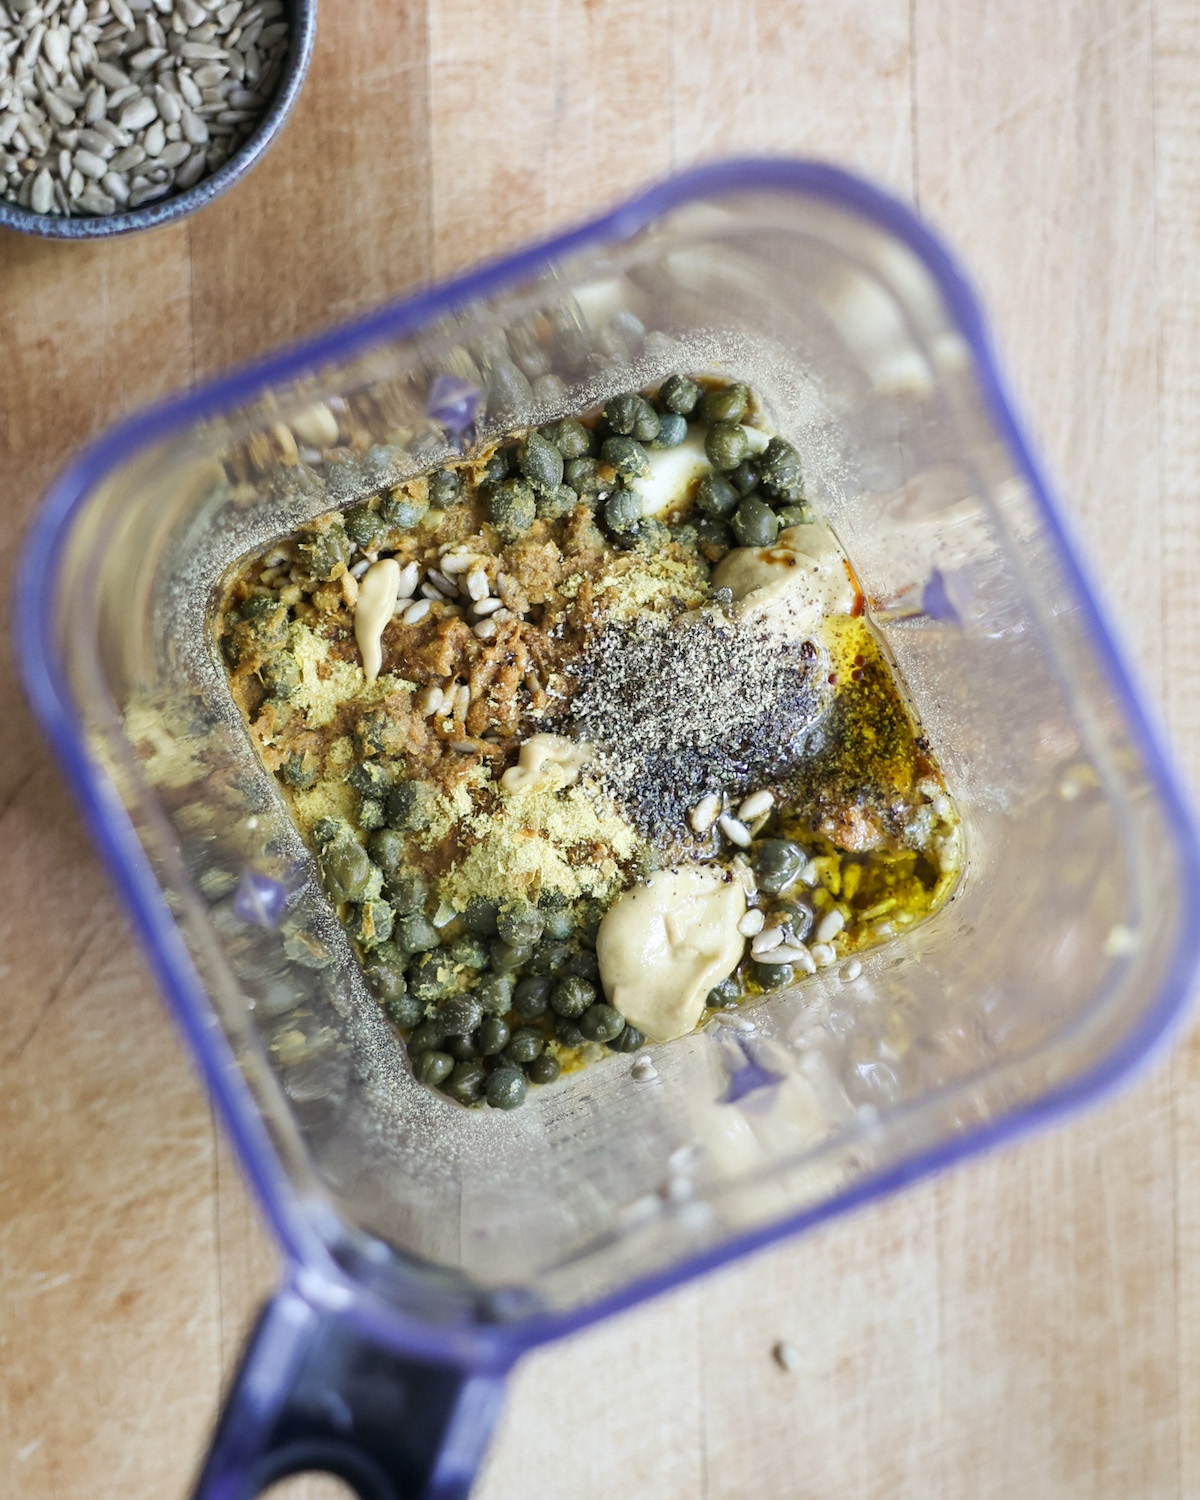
[
  {"x": 426, "y": 1037},
  {"x": 509, "y": 391},
  {"x": 405, "y": 1011},
  {"x": 280, "y": 675},
  {"x": 347, "y": 869},
  {"x": 524, "y": 1046},
  {"x": 684, "y": 534},
  {"x": 493, "y": 1036},
  {"x": 777, "y": 862},
  {"x": 459, "y": 1016},
  {"x": 540, "y": 462},
  {"x": 469, "y": 953},
  {"x": 559, "y": 923},
  {"x": 505, "y": 958},
  {"x": 495, "y": 993},
  {"x": 365, "y": 526},
  {"x": 729, "y": 403},
  {"x": 780, "y": 474},
  {"x": 326, "y": 551},
  {"x": 571, "y": 438},
  {"x": 371, "y": 923},
  {"x": 557, "y": 504},
  {"x": 505, "y": 1089},
  {"x": 716, "y": 497},
  {"x": 300, "y": 770},
  {"x": 385, "y": 974},
  {"x": 726, "y": 446},
  {"x": 531, "y": 998},
  {"x": 622, "y": 412},
  {"x": 714, "y": 539},
  {"x": 496, "y": 470},
  {"x": 724, "y": 994},
  {"x": 679, "y": 394},
  {"x": 548, "y": 957},
  {"x": 792, "y": 515},
  {"x": 744, "y": 477},
  {"x": 623, "y": 510},
  {"x": 773, "y": 976},
  {"x": 583, "y": 965},
  {"x": 466, "y": 1083},
  {"x": 370, "y": 814},
  {"x": 519, "y": 924},
  {"x": 512, "y": 508},
  {"x": 462, "y": 1047},
  {"x": 544, "y": 1069},
  {"x": 628, "y": 1039},
  {"x": 799, "y": 916},
  {"x": 403, "y": 511},
  {"x": 672, "y": 429},
  {"x": 601, "y": 1023},
  {"x": 408, "y": 891},
  {"x": 410, "y": 805},
  {"x": 417, "y": 934},
  {"x": 582, "y": 474},
  {"x": 434, "y": 1068},
  {"x": 325, "y": 830},
  {"x": 627, "y": 456},
  {"x": 369, "y": 779},
  {"x": 754, "y": 523},
  {"x": 445, "y": 488},
  {"x": 567, "y": 1032},
  {"x": 480, "y": 916},
  {"x": 430, "y": 977},
  {"x": 571, "y": 996}
]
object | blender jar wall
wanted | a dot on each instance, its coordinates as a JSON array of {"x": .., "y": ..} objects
[{"x": 1065, "y": 932}]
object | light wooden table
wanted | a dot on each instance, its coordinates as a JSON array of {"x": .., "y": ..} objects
[{"x": 1027, "y": 1325}]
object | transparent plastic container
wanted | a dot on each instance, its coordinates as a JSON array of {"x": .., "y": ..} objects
[{"x": 429, "y": 1245}]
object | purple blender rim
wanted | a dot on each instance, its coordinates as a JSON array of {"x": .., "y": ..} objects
[{"x": 313, "y": 1268}]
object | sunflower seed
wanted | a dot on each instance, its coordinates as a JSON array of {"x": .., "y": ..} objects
[
  {"x": 155, "y": 139},
  {"x": 125, "y": 161},
  {"x": 115, "y": 186},
  {"x": 148, "y": 194},
  {"x": 175, "y": 154},
  {"x": 110, "y": 76},
  {"x": 169, "y": 108},
  {"x": 99, "y": 144},
  {"x": 138, "y": 113},
  {"x": 61, "y": 111},
  {"x": 90, "y": 164},
  {"x": 42, "y": 195}
]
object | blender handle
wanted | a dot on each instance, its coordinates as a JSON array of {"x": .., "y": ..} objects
[{"x": 313, "y": 1392}]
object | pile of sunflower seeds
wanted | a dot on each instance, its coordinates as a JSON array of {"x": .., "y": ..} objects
[{"x": 107, "y": 105}]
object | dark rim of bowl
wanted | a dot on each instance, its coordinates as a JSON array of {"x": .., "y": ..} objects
[{"x": 302, "y": 20}]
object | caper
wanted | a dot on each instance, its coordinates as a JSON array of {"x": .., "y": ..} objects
[
  {"x": 567, "y": 1032},
  {"x": 509, "y": 391},
  {"x": 549, "y": 389},
  {"x": 716, "y": 497},
  {"x": 495, "y": 993},
  {"x": 532, "y": 997},
  {"x": 799, "y": 916},
  {"x": 631, "y": 415},
  {"x": 601, "y": 1023},
  {"x": 728, "y": 403},
  {"x": 385, "y": 973},
  {"x": 726, "y": 446},
  {"x": 544, "y": 1069},
  {"x": 754, "y": 523},
  {"x": 744, "y": 477},
  {"x": 402, "y": 510},
  {"x": 773, "y": 976},
  {"x": 571, "y": 438},
  {"x": 583, "y": 965},
  {"x": 430, "y": 977},
  {"x": 684, "y": 534},
  {"x": 519, "y": 923},
  {"x": 370, "y": 814},
  {"x": 462, "y": 1047},
  {"x": 347, "y": 869},
  {"x": 714, "y": 538},
  {"x": 679, "y": 394},
  {"x": 481, "y": 914},
  {"x": 365, "y": 526},
  {"x": 371, "y": 923},
  {"x": 495, "y": 469},
  {"x": 557, "y": 503},
  {"x": 426, "y": 1037},
  {"x": 780, "y": 474},
  {"x": 792, "y": 515},
  {"x": 628, "y": 1039},
  {"x": 548, "y": 957},
  {"x": 405, "y": 1012},
  {"x": 280, "y": 674},
  {"x": 777, "y": 862},
  {"x": 300, "y": 770},
  {"x": 571, "y": 996},
  {"x": 459, "y": 1016},
  {"x": 507, "y": 959},
  {"x": 627, "y": 456},
  {"x": 369, "y": 779},
  {"x": 505, "y": 1089},
  {"x": 416, "y": 933},
  {"x": 434, "y": 1068},
  {"x": 540, "y": 462},
  {"x": 408, "y": 891},
  {"x": 623, "y": 510},
  {"x": 512, "y": 508},
  {"x": 468, "y": 953},
  {"x": 466, "y": 1083},
  {"x": 410, "y": 805},
  {"x": 559, "y": 923},
  {"x": 445, "y": 488},
  {"x": 582, "y": 474},
  {"x": 493, "y": 1036},
  {"x": 672, "y": 429},
  {"x": 724, "y": 994},
  {"x": 325, "y": 830},
  {"x": 524, "y": 1046},
  {"x": 325, "y": 552}
]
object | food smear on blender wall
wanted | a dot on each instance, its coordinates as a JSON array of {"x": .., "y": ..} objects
[{"x": 590, "y": 736}]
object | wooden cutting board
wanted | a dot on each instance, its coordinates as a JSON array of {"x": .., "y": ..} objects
[{"x": 1026, "y": 1325}]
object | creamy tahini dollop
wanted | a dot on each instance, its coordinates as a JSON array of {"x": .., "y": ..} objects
[{"x": 790, "y": 585}]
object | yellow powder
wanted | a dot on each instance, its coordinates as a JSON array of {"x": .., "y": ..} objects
[
  {"x": 330, "y": 798},
  {"x": 320, "y": 698},
  {"x": 631, "y": 585}
]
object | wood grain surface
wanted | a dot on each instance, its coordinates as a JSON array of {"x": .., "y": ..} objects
[{"x": 1026, "y": 1325}]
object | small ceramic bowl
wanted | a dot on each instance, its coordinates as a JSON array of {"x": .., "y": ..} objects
[{"x": 302, "y": 20}]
